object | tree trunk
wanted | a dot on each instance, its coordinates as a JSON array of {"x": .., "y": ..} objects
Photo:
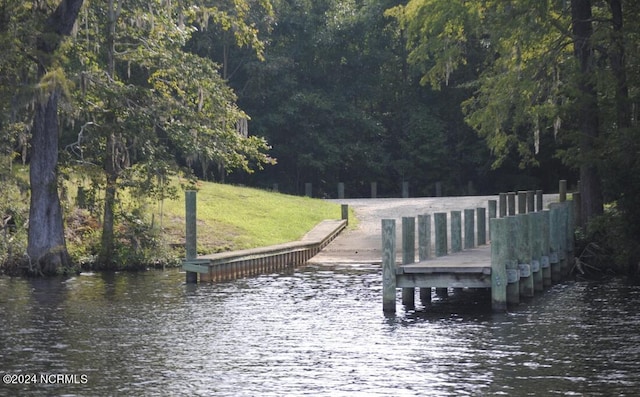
[
  {"x": 111, "y": 171},
  {"x": 46, "y": 245},
  {"x": 617, "y": 56},
  {"x": 587, "y": 109},
  {"x": 47, "y": 249}
]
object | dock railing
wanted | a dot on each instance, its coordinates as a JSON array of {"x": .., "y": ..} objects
[{"x": 528, "y": 251}]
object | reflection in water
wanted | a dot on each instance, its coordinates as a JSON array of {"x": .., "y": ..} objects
[{"x": 315, "y": 331}]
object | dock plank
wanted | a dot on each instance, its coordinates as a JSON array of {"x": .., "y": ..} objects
[{"x": 473, "y": 260}]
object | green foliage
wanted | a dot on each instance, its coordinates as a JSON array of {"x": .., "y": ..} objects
[{"x": 14, "y": 213}]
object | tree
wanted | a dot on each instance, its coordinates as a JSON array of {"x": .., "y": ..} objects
[
  {"x": 145, "y": 103},
  {"x": 46, "y": 247},
  {"x": 545, "y": 69}
]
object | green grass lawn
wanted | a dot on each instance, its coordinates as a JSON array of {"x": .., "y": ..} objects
[{"x": 233, "y": 217}]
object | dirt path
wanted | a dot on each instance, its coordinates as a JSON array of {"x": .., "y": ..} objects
[{"x": 363, "y": 244}]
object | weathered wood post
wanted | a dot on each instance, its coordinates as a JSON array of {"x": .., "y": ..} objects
[
  {"x": 531, "y": 201},
  {"x": 492, "y": 213},
  {"x": 389, "y": 265},
  {"x": 344, "y": 209},
  {"x": 522, "y": 202},
  {"x": 340, "y": 190},
  {"x": 374, "y": 189},
  {"x": 539, "y": 200},
  {"x": 308, "y": 189},
  {"x": 424, "y": 250},
  {"x": 469, "y": 229},
  {"x": 405, "y": 189},
  {"x": 481, "y": 215},
  {"x": 562, "y": 190},
  {"x": 499, "y": 260},
  {"x": 191, "y": 236},
  {"x": 554, "y": 232},
  {"x": 513, "y": 273},
  {"x": 440, "y": 219},
  {"x": 562, "y": 243},
  {"x": 544, "y": 260},
  {"x": 511, "y": 203},
  {"x": 523, "y": 254},
  {"x": 408, "y": 256},
  {"x": 456, "y": 231},
  {"x": 535, "y": 223},
  {"x": 275, "y": 188},
  {"x": 502, "y": 204}
]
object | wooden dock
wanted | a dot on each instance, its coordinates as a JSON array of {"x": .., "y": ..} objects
[{"x": 527, "y": 252}]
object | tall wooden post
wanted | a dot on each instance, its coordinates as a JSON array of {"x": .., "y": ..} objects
[
  {"x": 562, "y": 189},
  {"x": 513, "y": 273},
  {"x": 191, "y": 236},
  {"x": 344, "y": 209},
  {"x": 481, "y": 215},
  {"x": 424, "y": 250},
  {"x": 502, "y": 204},
  {"x": 408, "y": 256},
  {"x": 492, "y": 214},
  {"x": 522, "y": 202},
  {"x": 523, "y": 251},
  {"x": 554, "y": 248},
  {"x": 374, "y": 189},
  {"x": 440, "y": 219},
  {"x": 469, "y": 229},
  {"x": 405, "y": 189},
  {"x": 456, "y": 231},
  {"x": 340, "y": 190},
  {"x": 544, "y": 260},
  {"x": 499, "y": 260},
  {"x": 389, "y": 265},
  {"x": 531, "y": 201},
  {"x": 539, "y": 200},
  {"x": 511, "y": 203},
  {"x": 535, "y": 234}
]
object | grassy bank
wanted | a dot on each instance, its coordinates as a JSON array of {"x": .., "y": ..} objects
[
  {"x": 233, "y": 217},
  {"x": 150, "y": 233}
]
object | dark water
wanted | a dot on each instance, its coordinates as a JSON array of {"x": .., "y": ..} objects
[{"x": 316, "y": 331}]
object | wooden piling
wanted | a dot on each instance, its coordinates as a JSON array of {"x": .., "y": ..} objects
[
  {"x": 511, "y": 203},
  {"x": 492, "y": 214},
  {"x": 562, "y": 189},
  {"x": 374, "y": 189},
  {"x": 191, "y": 235},
  {"x": 522, "y": 202},
  {"x": 513, "y": 273},
  {"x": 340, "y": 190},
  {"x": 481, "y": 215},
  {"x": 344, "y": 209},
  {"x": 531, "y": 201},
  {"x": 539, "y": 200},
  {"x": 499, "y": 260},
  {"x": 544, "y": 259},
  {"x": 441, "y": 248},
  {"x": 523, "y": 254},
  {"x": 389, "y": 265},
  {"x": 456, "y": 231},
  {"x": 469, "y": 229},
  {"x": 502, "y": 205},
  {"x": 554, "y": 235},
  {"x": 535, "y": 234},
  {"x": 424, "y": 251},
  {"x": 408, "y": 256},
  {"x": 405, "y": 189}
]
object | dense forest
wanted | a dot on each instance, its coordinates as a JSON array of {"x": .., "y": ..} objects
[{"x": 481, "y": 96}]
